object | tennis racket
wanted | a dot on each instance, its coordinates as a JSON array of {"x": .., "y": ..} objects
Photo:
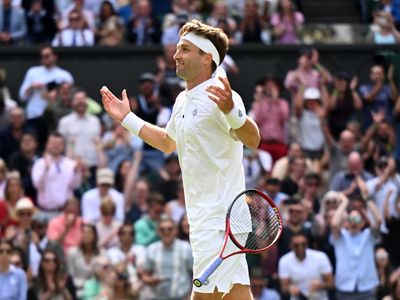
[{"x": 253, "y": 224}]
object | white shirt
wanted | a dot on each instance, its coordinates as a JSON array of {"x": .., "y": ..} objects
[
  {"x": 66, "y": 37},
  {"x": 210, "y": 158},
  {"x": 40, "y": 74},
  {"x": 91, "y": 201},
  {"x": 313, "y": 267},
  {"x": 81, "y": 133},
  {"x": 311, "y": 136}
]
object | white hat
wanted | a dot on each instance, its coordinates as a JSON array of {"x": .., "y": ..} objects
[
  {"x": 311, "y": 93},
  {"x": 105, "y": 176},
  {"x": 24, "y": 203}
]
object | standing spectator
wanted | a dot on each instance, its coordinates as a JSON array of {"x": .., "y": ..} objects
[
  {"x": 137, "y": 193},
  {"x": 144, "y": 29},
  {"x": 66, "y": 229},
  {"x": 287, "y": 23},
  {"x": 87, "y": 15},
  {"x": 354, "y": 243},
  {"x": 81, "y": 131},
  {"x": 81, "y": 258},
  {"x": 12, "y": 24},
  {"x": 23, "y": 160},
  {"x": 9, "y": 273},
  {"x": 109, "y": 27},
  {"x": 91, "y": 200},
  {"x": 305, "y": 272},
  {"x": 293, "y": 180},
  {"x": 55, "y": 176},
  {"x": 377, "y": 95},
  {"x": 220, "y": 14},
  {"x": 386, "y": 32},
  {"x": 393, "y": 225},
  {"x": 384, "y": 270},
  {"x": 76, "y": 34},
  {"x": 252, "y": 24},
  {"x": 271, "y": 114},
  {"x": 170, "y": 280},
  {"x": 107, "y": 228},
  {"x": 13, "y": 191},
  {"x": 169, "y": 178},
  {"x": 40, "y": 21},
  {"x": 272, "y": 187},
  {"x": 37, "y": 85}
]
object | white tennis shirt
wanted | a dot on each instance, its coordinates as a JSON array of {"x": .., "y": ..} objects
[{"x": 209, "y": 156}]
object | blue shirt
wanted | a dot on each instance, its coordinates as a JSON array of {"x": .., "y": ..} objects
[{"x": 13, "y": 285}]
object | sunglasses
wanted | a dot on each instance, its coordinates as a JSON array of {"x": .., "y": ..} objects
[
  {"x": 5, "y": 251},
  {"x": 298, "y": 245},
  {"x": 355, "y": 219},
  {"x": 166, "y": 229},
  {"x": 126, "y": 232},
  {"x": 48, "y": 259},
  {"x": 295, "y": 211},
  {"x": 25, "y": 213}
]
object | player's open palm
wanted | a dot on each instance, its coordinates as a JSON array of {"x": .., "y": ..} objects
[
  {"x": 222, "y": 96},
  {"x": 115, "y": 107}
]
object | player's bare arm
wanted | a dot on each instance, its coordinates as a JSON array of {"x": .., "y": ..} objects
[
  {"x": 119, "y": 109},
  {"x": 248, "y": 133}
]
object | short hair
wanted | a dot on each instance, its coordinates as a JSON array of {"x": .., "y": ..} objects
[
  {"x": 107, "y": 205},
  {"x": 214, "y": 35},
  {"x": 156, "y": 198}
]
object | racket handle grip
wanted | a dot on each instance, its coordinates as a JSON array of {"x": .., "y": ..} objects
[{"x": 212, "y": 266}]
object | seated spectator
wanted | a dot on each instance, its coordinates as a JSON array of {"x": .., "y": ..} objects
[
  {"x": 305, "y": 272},
  {"x": 384, "y": 31},
  {"x": 272, "y": 128},
  {"x": 55, "y": 176},
  {"x": 10, "y": 273},
  {"x": 146, "y": 227},
  {"x": 292, "y": 181},
  {"x": 76, "y": 34},
  {"x": 158, "y": 274},
  {"x": 143, "y": 29},
  {"x": 6, "y": 103},
  {"x": 354, "y": 236},
  {"x": 12, "y": 24},
  {"x": 91, "y": 200},
  {"x": 287, "y": 23},
  {"x": 66, "y": 229},
  {"x": 251, "y": 26},
  {"x": 87, "y": 15},
  {"x": 110, "y": 28},
  {"x": 220, "y": 15},
  {"x": 384, "y": 269},
  {"x": 107, "y": 227},
  {"x": 259, "y": 286},
  {"x": 39, "y": 229},
  {"x": 13, "y": 191},
  {"x": 102, "y": 282},
  {"x": 176, "y": 208},
  {"x": 81, "y": 259},
  {"x": 40, "y": 22},
  {"x": 22, "y": 161},
  {"x": 52, "y": 282}
]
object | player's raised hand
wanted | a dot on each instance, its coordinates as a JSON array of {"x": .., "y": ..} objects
[
  {"x": 222, "y": 96},
  {"x": 115, "y": 107}
]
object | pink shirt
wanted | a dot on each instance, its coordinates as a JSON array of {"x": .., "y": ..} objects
[
  {"x": 56, "y": 184},
  {"x": 289, "y": 36},
  {"x": 72, "y": 238},
  {"x": 271, "y": 117},
  {"x": 308, "y": 78}
]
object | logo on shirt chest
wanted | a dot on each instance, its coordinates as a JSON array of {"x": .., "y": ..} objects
[{"x": 194, "y": 112}]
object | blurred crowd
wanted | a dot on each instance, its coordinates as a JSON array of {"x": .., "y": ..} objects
[
  {"x": 76, "y": 23},
  {"x": 87, "y": 211}
]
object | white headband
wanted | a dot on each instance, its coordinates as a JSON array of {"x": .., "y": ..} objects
[{"x": 204, "y": 44}]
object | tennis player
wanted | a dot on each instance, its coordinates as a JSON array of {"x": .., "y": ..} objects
[{"x": 208, "y": 128}]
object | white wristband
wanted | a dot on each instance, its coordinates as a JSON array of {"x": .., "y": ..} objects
[
  {"x": 236, "y": 117},
  {"x": 133, "y": 123}
]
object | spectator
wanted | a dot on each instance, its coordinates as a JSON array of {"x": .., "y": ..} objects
[
  {"x": 121, "y": 175},
  {"x": 144, "y": 29},
  {"x": 257, "y": 163},
  {"x": 272, "y": 187},
  {"x": 38, "y": 82},
  {"x": 220, "y": 14},
  {"x": 40, "y": 22},
  {"x": 354, "y": 242},
  {"x": 122, "y": 288},
  {"x": 52, "y": 282},
  {"x": 13, "y": 191},
  {"x": 377, "y": 95},
  {"x": 12, "y": 24},
  {"x": 386, "y": 32},
  {"x": 76, "y": 34},
  {"x": 305, "y": 272},
  {"x": 138, "y": 199},
  {"x": 171, "y": 26},
  {"x": 39, "y": 230},
  {"x": 352, "y": 180},
  {"x": 183, "y": 228},
  {"x": 251, "y": 26},
  {"x": 6, "y": 103},
  {"x": 9, "y": 273},
  {"x": 107, "y": 228},
  {"x": 287, "y": 23},
  {"x": 81, "y": 131},
  {"x": 169, "y": 177},
  {"x": 393, "y": 225},
  {"x": 87, "y": 15},
  {"x": 309, "y": 194},
  {"x": 343, "y": 103},
  {"x": 292, "y": 182},
  {"x": 384, "y": 270},
  {"x": 66, "y": 229},
  {"x": 259, "y": 287},
  {"x": 176, "y": 209},
  {"x": 110, "y": 28},
  {"x": 22, "y": 161},
  {"x": 81, "y": 259},
  {"x": 158, "y": 275},
  {"x": 101, "y": 284},
  {"x": 10, "y": 136},
  {"x": 272, "y": 128},
  {"x": 55, "y": 176},
  {"x": 91, "y": 200},
  {"x": 146, "y": 226}
]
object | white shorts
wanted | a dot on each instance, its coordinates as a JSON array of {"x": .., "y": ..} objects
[{"x": 206, "y": 245}]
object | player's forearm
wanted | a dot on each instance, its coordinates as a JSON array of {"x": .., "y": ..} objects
[{"x": 249, "y": 134}]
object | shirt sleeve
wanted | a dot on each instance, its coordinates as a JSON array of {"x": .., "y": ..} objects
[
  {"x": 283, "y": 269},
  {"x": 325, "y": 266},
  {"x": 23, "y": 287},
  {"x": 25, "y": 85}
]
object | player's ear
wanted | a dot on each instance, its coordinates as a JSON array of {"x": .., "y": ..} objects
[{"x": 207, "y": 59}]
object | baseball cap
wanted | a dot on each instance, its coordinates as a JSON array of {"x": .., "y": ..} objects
[
  {"x": 24, "y": 203},
  {"x": 105, "y": 176},
  {"x": 147, "y": 77},
  {"x": 311, "y": 93}
]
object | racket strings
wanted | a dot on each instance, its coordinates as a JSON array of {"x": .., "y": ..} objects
[{"x": 255, "y": 224}]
